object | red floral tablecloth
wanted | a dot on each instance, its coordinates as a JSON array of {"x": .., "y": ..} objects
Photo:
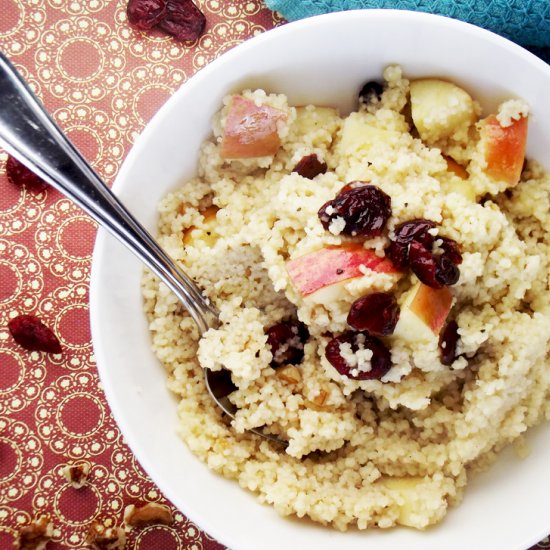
[{"x": 102, "y": 81}]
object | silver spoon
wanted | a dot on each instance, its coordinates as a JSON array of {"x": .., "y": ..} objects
[{"x": 29, "y": 134}]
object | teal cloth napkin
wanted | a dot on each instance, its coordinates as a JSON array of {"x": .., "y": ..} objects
[{"x": 526, "y": 22}]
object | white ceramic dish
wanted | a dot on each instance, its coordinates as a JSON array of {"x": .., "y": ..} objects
[{"x": 323, "y": 60}]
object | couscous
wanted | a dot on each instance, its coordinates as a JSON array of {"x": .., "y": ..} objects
[{"x": 382, "y": 282}]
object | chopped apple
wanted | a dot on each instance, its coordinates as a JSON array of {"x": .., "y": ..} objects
[
  {"x": 504, "y": 148},
  {"x": 359, "y": 134},
  {"x": 332, "y": 265},
  {"x": 423, "y": 313},
  {"x": 462, "y": 186},
  {"x": 206, "y": 232},
  {"x": 321, "y": 117},
  {"x": 407, "y": 488},
  {"x": 251, "y": 130},
  {"x": 439, "y": 108}
]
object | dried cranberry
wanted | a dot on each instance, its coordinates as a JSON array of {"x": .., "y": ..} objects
[
  {"x": 432, "y": 270},
  {"x": 415, "y": 230},
  {"x": 310, "y": 166},
  {"x": 371, "y": 92},
  {"x": 183, "y": 20},
  {"x": 365, "y": 209},
  {"x": 424, "y": 265},
  {"x": 451, "y": 249},
  {"x": 380, "y": 360},
  {"x": 377, "y": 313},
  {"x": 32, "y": 334},
  {"x": 447, "y": 343},
  {"x": 405, "y": 233},
  {"x": 145, "y": 14},
  {"x": 446, "y": 273},
  {"x": 398, "y": 253},
  {"x": 20, "y": 175},
  {"x": 286, "y": 340}
]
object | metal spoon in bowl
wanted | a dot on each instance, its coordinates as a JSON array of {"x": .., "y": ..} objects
[{"x": 29, "y": 134}]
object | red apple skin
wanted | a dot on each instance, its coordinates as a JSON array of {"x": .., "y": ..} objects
[
  {"x": 504, "y": 149},
  {"x": 251, "y": 130},
  {"x": 333, "y": 264},
  {"x": 432, "y": 306}
]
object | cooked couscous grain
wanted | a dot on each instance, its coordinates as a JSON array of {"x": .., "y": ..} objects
[{"x": 364, "y": 449}]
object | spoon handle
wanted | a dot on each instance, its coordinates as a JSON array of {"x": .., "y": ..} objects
[{"x": 29, "y": 134}]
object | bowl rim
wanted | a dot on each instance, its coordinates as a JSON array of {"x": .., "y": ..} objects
[{"x": 138, "y": 148}]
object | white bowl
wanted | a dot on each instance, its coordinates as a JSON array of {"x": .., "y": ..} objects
[{"x": 323, "y": 60}]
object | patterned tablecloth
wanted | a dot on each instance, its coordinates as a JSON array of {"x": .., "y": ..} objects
[{"x": 102, "y": 81}]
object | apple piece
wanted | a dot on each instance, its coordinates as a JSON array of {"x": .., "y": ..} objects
[
  {"x": 206, "y": 233},
  {"x": 504, "y": 148},
  {"x": 331, "y": 265},
  {"x": 423, "y": 313},
  {"x": 439, "y": 108},
  {"x": 359, "y": 134},
  {"x": 462, "y": 186},
  {"x": 251, "y": 130},
  {"x": 407, "y": 489},
  {"x": 317, "y": 117}
]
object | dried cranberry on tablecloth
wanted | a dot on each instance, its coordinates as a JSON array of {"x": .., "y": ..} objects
[
  {"x": 32, "y": 334},
  {"x": 180, "y": 18},
  {"x": 20, "y": 175}
]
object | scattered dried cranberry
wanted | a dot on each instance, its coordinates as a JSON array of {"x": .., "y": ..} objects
[
  {"x": 183, "y": 20},
  {"x": 423, "y": 264},
  {"x": 32, "y": 334},
  {"x": 145, "y": 14},
  {"x": 371, "y": 92},
  {"x": 377, "y": 313},
  {"x": 310, "y": 166},
  {"x": 380, "y": 360},
  {"x": 447, "y": 273},
  {"x": 405, "y": 233},
  {"x": 412, "y": 245},
  {"x": 447, "y": 343},
  {"x": 20, "y": 175},
  {"x": 286, "y": 340},
  {"x": 451, "y": 249},
  {"x": 432, "y": 270},
  {"x": 365, "y": 209}
]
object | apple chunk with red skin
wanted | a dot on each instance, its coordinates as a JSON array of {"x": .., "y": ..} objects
[
  {"x": 329, "y": 266},
  {"x": 504, "y": 148},
  {"x": 251, "y": 130},
  {"x": 423, "y": 313}
]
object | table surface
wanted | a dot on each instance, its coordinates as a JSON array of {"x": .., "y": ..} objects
[{"x": 102, "y": 81}]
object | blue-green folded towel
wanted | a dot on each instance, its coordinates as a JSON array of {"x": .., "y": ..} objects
[{"x": 526, "y": 22}]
